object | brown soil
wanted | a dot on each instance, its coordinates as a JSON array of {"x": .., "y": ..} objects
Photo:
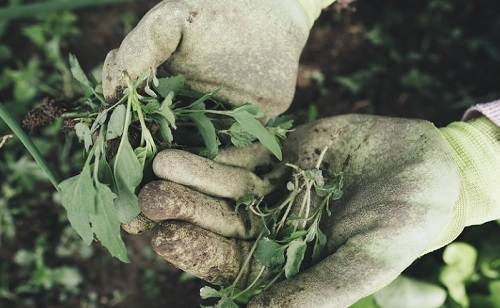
[{"x": 337, "y": 46}]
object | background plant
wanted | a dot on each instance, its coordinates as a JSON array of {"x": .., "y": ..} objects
[{"x": 413, "y": 59}]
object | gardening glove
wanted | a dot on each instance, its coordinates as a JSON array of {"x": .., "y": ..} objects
[
  {"x": 251, "y": 48},
  {"x": 409, "y": 189}
]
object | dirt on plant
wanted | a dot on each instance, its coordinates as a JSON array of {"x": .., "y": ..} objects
[{"x": 341, "y": 44}]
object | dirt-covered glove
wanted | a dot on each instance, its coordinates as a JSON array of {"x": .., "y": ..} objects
[
  {"x": 251, "y": 48},
  {"x": 409, "y": 188}
]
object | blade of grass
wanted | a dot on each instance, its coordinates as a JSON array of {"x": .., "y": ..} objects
[
  {"x": 36, "y": 9},
  {"x": 26, "y": 140}
]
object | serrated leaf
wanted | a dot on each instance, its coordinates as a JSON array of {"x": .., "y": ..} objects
[
  {"x": 128, "y": 175},
  {"x": 171, "y": 84},
  {"x": 77, "y": 72},
  {"x": 209, "y": 292},
  {"x": 239, "y": 137},
  {"x": 151, "y": 107},
  {"x": 253, "y": 109},
  {"x": 269, "y": 253},
  {"x": 280, "y": 126},
  {"x": 294, "y": 256},
  {"x": 251, "y": 125},
  {"x": 83, "y": 133},
  {"x": 77, "y": 195},
  {"x": 105, "y": 223},
  {"x": 207, "y": 132},
  {"x": 116, "y": 122}
]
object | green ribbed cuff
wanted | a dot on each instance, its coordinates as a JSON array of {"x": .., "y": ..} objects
[{"x": 475, "y": 146}]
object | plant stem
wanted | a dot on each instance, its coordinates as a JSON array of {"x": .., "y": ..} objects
[
  {"x": 252, "y": 284},
  {"x": 30, "y": 146},
  {"x": 247, "y": 260}
]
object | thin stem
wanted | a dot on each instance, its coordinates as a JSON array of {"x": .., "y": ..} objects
[
  {"x": 247, "y": 260},
  {"x": 30, "y": 146},
  {"x": 322, "y": 155},
  {"x": 308, "y": 206},
  {"x": 273, "y": 281},
  {"x": 252, "y": 284}
]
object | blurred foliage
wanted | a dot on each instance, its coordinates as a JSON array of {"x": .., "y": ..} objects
[
  {"x": 417, "y": 58},
  {"x": 440, "y": 55}
]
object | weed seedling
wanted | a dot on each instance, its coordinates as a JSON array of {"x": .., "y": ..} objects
[
  {"x": 103, "y": 195},
  {"x": 287, "y": 231}
]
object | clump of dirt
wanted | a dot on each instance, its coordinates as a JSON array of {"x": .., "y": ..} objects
[{"x": 50, "y": 110}]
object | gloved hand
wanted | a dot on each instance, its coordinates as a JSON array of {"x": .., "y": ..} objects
[
  {"x": 252, "y": 48},
  {"x": 409, "y": 189}
]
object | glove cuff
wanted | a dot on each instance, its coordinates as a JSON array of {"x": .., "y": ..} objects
[
  {"x": 475, "y": 147},
  {"x": 313, "y": 8},
  {"x": 490, "y": 110}
]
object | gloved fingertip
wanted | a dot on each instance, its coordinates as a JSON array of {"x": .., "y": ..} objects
[
  {"x": 112, "y": 81},
  {"x": 139, "y": 225}
]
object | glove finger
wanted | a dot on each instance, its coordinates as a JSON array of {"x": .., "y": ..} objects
[
  {"x": 147, "y": 46},
  {"x": 207, "y": 176},
  {"x": 163, "y": 200},
  {"x": 204, "y": 254},
  {"x": 250, "y": 157},
  {"x": 139, "y": 225}
]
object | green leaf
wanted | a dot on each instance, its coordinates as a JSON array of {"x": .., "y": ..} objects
[
  {"x": 494, "y": 287},
  {"x": 294, "y": 256},
  {"x": 171, "y": 84},
  {"x": 83, "y": 133},
  {"x": 246, "y": 200},
  {"x": 280, "y": 126},
  {"x": 78, "y": 73},
  {"x": 105, "y": 223},
  {"x": 269, "y": 253},
  {"x": 407, "y": 292},
  {"x": 166, "y": 111},
  {"x": 142, "y": 155},
  {"x": 240, "y": 137},
  {"x": 165, "y": 131},
  {"x": 226, "y": 302},
  {"x": 366, "y": 302},
  {"x": 99, "y": 120},
  {"x": 128, "y": 175},
  {"x": 251, "y": 125},
  {"x": 311, "y": 233},
  {"x": 199, "y": 104},
  {"x": 207, "y": 132},
  {"x": 319, "y": 246},
  {"x": 104, "y": 173},
  {"x": 151, "y": 107},
  {"x": 116, "y": 122},
  {"x": 78, "y": 194},
  {"x": 209, "y": 292},
  {"x": 460, "y": 259},
  {"x": 253, "y": 109},
  {"x": 294, "y": 235}
]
